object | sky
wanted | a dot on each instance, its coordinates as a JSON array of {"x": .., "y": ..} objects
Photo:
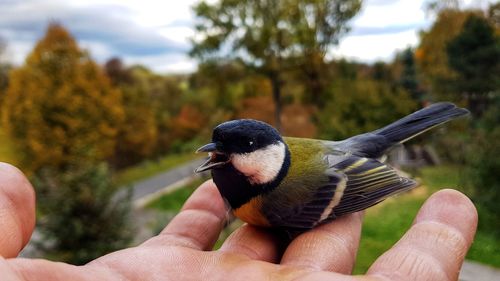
[{"x": 156, "y": 33}]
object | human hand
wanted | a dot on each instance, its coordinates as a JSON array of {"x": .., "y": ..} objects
[{"x": 432, "y": 249}]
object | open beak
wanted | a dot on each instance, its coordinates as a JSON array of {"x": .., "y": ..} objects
[{"x": 215, "y": 159}]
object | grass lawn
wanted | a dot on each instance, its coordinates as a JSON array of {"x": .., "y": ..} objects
[
  {"x": 173, "y": 201},
  {"x": 384, "y": 224},
  {"x": 152, "y": 167},
  {"x": 7, "y": 152}
]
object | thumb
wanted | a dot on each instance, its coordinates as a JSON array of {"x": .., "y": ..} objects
[{"x": 17, "y": 210}]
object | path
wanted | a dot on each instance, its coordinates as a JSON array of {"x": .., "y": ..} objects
[{"x": 145, "y": 190}]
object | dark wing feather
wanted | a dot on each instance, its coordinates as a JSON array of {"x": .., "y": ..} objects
[{"x": 368, "y": 183}]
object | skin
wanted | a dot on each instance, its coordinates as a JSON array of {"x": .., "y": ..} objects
[{"x": 432, "y": 249}]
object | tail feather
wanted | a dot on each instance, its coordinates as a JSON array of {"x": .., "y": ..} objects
[
  {"x": 420, "y": 121},
  {"x": 376, "y": 143}
]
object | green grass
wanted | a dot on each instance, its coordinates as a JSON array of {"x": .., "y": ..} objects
[
  {"x": 173, "y": 201},
  {"x": 386, "y": 223},
  {"x": 7, "y": 151},
  {"x": 151, "y": 168}
]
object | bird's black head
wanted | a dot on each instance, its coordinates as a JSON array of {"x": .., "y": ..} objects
[
  {"x": 238, "y": 137},
  {"x": 247, "y": 158},
  {"x": 244, "y": 136}
]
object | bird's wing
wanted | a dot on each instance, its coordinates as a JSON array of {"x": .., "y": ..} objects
[
  {"x": 353, "y": 183},
  {"x": 368, "y": 182},
  {"x": 306, "y": 208}
]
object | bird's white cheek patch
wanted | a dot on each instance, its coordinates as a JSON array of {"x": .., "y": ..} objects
[{"x": 261, "y": 166}]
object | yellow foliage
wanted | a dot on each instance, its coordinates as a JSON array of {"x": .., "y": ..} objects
[
  {"x": 60, "y": 108},
  {"x": 431, "y": 55}
]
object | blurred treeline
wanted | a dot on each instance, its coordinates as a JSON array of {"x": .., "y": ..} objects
[{"x": 75, "y": 122}]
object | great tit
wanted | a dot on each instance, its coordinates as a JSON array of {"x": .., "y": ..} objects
[{"x": 296, "y": 184}]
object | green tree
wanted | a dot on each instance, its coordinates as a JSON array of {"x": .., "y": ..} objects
[
  {"x": 223, "y": 80},
  {"x": 381, "y": 72},
  {"x": 369, "y": 105},
  {"x": 475, "y": 55},
  {"x": 483, "y": 164},
  {"x": 408, "y": 77},
  {"x": 318, "y": 25},
  {"x": 264, "y": 33},
  {"x": 81, "y": 220},
  {"x": 60, "y": 108}
]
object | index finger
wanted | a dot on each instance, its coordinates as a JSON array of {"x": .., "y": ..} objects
[
  {"x": 332, "y": 246},
  {"x": 435, "y": 246},
  {"x": 199, "y": 223}
]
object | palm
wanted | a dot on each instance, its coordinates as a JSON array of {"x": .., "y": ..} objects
[{"x": 433, "y": 249}]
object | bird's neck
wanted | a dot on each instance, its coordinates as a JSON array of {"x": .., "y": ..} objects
[{"x": 237, "y": 188}]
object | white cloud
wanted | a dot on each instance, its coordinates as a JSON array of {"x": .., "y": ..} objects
[
  {"x": 402, "y": 12},
  {"x": 165, "y": 63},
  {"x": 179, "y": 34},
  {"x": 371, "y": 48}
]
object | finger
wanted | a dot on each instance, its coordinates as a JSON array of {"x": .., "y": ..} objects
[
  {"x": 17, "y": 210},
  {"x": 199, "y": 223},
  {"x": 42, "y": 270},
  {"x": 330, "y": 247},
  {"x": 435, "y": 246},
  {"x": 254, "y": 243}
]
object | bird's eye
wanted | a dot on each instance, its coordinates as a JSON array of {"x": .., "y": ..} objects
[{"x": 250, "y": 143}]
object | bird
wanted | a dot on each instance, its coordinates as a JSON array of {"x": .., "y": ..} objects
[{"x": 296, "y": 184}]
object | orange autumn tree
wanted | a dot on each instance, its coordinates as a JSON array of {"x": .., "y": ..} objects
[
  {"x": 60, "y": 108},
  {"x": 64, "y": 115}
]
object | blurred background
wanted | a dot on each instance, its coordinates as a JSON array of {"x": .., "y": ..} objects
[{"x": 102, "y": 103}]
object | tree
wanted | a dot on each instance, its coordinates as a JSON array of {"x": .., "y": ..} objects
[
  {"x": 482, "y": 166},
  {"x": 138, "y": 138},
  {"x": 264, "y": 33},
  {"x": 317, "y": 25},
  {"x": 165, "y": 97},
  {"x": 494, "y": 16},
  {"x": 408, "y": 77},
  {"x": 431, "y": 57},
  {"x": 81, "y": 220},
  {"x": 60, "y": 108},
  {"x": 221, "y": 78},
  {"x": 369, "y": 105},
  {"x": 62, "y": 111},
  {"x": 4, "y": 72},
  {"x": 434, "y": 7},
  {"x": 475, "y": 55}
]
